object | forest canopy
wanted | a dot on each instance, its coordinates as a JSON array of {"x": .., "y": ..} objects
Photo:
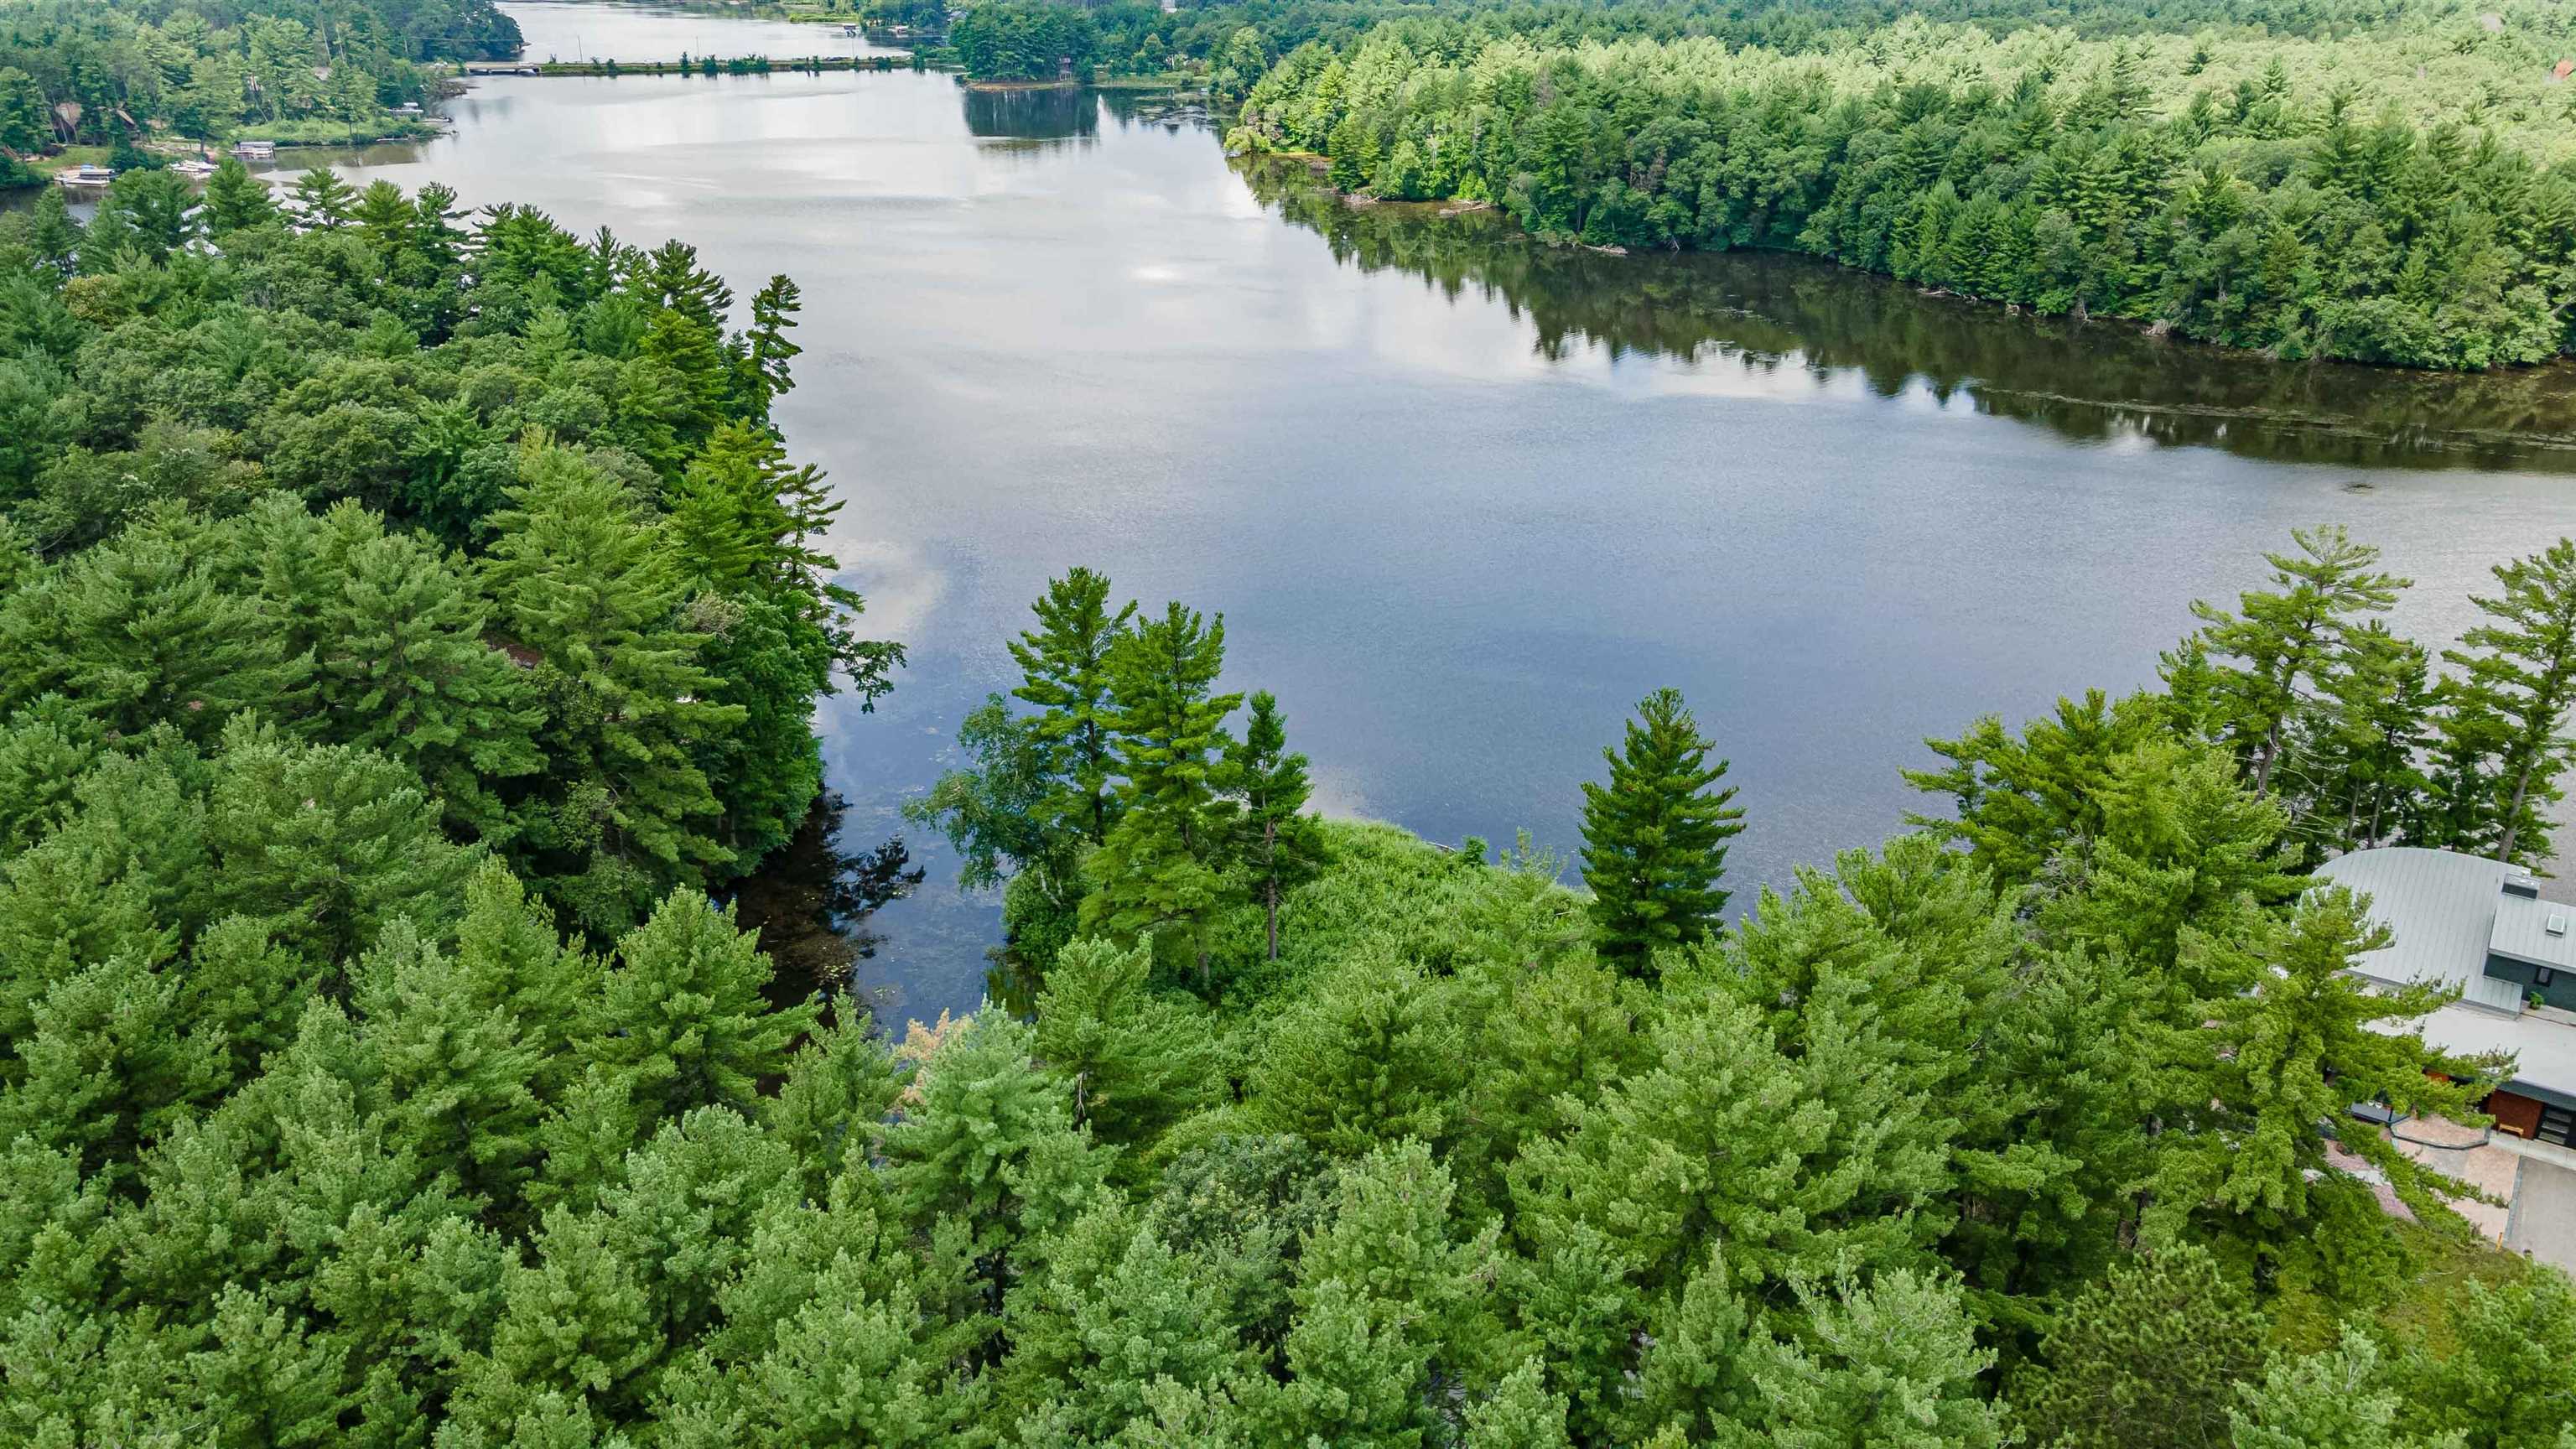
[
  {"x": 2388, "y": 196},
  {"x": 96, "y": 72}
]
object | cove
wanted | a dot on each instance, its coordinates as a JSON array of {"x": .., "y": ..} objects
[{"x": 1461, "y": 498}]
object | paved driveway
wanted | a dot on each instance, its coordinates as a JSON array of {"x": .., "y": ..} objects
[{"x": 2544, "y": 1214}]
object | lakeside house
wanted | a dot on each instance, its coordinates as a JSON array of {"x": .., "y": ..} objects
[
  {"x": 255, "y": 150},
  {"x": 2485, "y": 929}
]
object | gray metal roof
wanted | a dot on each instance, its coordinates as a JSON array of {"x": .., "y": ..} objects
[
  {"x": 2442, "y": 907},
  {"x": 2447, "y": 912},
  {"x": 2522, "y": 931}
]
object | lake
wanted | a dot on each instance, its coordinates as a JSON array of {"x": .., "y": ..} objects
[{"x": 1461, "y": 499}]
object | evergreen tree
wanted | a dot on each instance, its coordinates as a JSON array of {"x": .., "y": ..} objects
[
  {"x": 2292, "y": 1041},
  {"x": 1374, "y": 1051},
  {"x": 2510, "y": 1377},
  {"x": 111, "y": 1067},
  {"x": 394, "y": 636},
  {"x": 1065, "y": 670},
  {"x": 236, "y": 200},
  {"x": 323, "y": 201},
  {"x": 2285, "y": 642},
  {"x": 2154, "y": 1354},
  {"x": 581, "y": 585},
  {"x": 682, "y": 1020},
  {"x": 1654, "y": 839},
  {"x": 1277, "y": 845},
  {"x": 991, "y": 1144},
  {"x": 2523, "y": 674},
  {"x": 455, "y": 1067},
  {"x": 1160, "y": 865},
  {"x": 143, "y": 630},
  {"x": 1895, "y": 1363},
  {"x": 773, "y": 316},
  {"x": 1113, "y": 1311},
  {"x": 2341, "y": 1398},
  {"x": 1136, "y": 1061},
  {"x": 1520, "y": 1414}
]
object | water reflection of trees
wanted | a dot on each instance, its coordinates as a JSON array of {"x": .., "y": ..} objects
[
  {"x": 1770, "y": 313},
  {"x": 812, "y": 902},
  {"x": 1047, "y": 113}
]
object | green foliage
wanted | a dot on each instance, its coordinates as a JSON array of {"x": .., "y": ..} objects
[
  {"x": 1024, "y": 42},
  {"x": 1136, "y": 1061},
  {"x": 2208, "y": 174},
  {"x": 2154, "y": 1353},
  {"x": 681, "y": 1021},
  {"x": 1161, "y": 865},
  {"x": 1654, "y": 837}
]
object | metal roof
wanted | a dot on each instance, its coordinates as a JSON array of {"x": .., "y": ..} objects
[
  {"x": 2442, "y": 907},
  {"x": 2447, "y": 911}
]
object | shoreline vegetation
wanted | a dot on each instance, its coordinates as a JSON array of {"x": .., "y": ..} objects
[
  {"x": 134, "y": 78},
  {"x": 2389, "y": 197}
]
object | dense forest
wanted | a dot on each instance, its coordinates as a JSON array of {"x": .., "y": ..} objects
[
  {"x": 411, "y": 618},
  {"x": 2390, "y": 196},
  {"x": 104, "y": 72},
  {"x": 410, "y": 626},
  {"x": 1014, "y": 42}
]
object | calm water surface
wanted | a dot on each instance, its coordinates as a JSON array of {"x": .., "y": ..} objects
[{"x": 1462, "y": 500}]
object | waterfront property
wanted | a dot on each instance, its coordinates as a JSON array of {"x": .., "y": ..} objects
[
  {"x": 2485, "y": 929},
  {"x": 255, "y": 150}
]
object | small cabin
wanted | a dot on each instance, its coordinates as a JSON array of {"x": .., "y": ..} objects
[{"x": 255, "y": 150}]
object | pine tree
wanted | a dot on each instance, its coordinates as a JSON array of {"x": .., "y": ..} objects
[
  {"x": 1113, "y": 1311},
  {"x": 2154, "y": 1354},
  {"x": 2523, "y": 674},
  {"x": 394, "y": 635},
  {"x": 323, "y": 201},
  {"x": 773, "y": 316},
  {"x": 1065, "y": 671},
  {"x": 1519, "y": 1414},
  {"x": 1277, "y": 845},
  {"x": 2285, "y": 642},
  {"x": 2342, "y": 1398},
  {"x": 455, "y": 1066},
  {"x": 2294, "y": 1039},
  {"x": 1892, "y": 1364},
  {"x": 2360, "y": 750},
  {"x": 1654, "y": 839},
  {"x": 111, "y": 1067},
  {"x": 144, "y": 630},
  {"x": 236, "y": 200},
  {"x": 682, "y": 1020},
  {"x": 514, "y": 961},
  {"x": 991, "y": 1144},
  {"x": 2512, "y": 1373},
  {"x": 831, "y": 1112},
  {"x": 581, "y": 583},
  {"x": 1136, "y": 1061},
  {"x": 1160, "y": 866},
  {"x": 1374, "y": 1051},
  {"x": 263, "y": 1380}
]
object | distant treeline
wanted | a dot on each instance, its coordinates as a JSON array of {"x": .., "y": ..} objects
[
  {"x": 97, "y": 72},
  {"x": 2388, "y": 198},
  {"x": 1143, "y": 38}
]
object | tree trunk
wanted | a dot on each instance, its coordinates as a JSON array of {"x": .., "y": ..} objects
[
  {"x": 1270, "y": 884},
  {"x": 2513, "y": 812},
  {"x": 2263, "y": 766}
]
